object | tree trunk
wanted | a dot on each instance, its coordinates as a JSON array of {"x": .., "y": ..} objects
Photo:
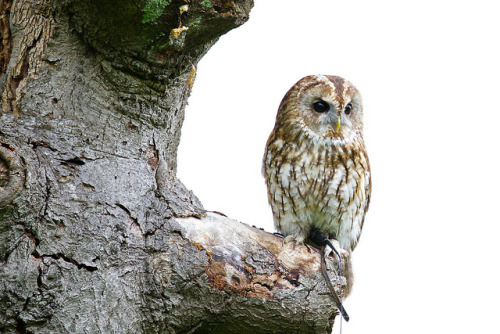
[{"x": 96, "y": 232}]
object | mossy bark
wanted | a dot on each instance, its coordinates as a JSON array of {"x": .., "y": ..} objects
[{"x": 93, "y": 234}]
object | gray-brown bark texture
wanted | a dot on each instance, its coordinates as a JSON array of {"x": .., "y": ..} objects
[{"x": 97, "y": 235}]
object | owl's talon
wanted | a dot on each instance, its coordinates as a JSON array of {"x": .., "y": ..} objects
[
  {"x": 278, "y": 234},
  {"x": 309, "y": 249}
]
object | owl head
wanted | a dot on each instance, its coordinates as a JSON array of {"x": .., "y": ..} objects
[{"x": 323, "y": 107}]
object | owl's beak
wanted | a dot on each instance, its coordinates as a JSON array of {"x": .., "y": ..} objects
[{"x": 337, "y": 125}]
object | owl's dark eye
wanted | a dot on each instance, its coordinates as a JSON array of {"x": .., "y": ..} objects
[
  {"x": 321, "y": 106},
  {"x": 347, "y": 109}
]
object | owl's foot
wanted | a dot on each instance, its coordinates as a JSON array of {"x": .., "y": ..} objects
[
  {"x": 341, "y": 252},
  {"x": 331, "y": 245},
  {"x": 293, "y": 239}
]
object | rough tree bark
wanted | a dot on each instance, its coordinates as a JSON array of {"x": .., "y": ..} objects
[{"x": 97, "y": 235}]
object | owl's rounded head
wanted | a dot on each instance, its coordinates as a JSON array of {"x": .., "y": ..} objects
[{"x": 322, "y": 106}]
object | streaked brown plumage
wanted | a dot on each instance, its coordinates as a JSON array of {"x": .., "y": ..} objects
[{"x": 315, "y": 164}]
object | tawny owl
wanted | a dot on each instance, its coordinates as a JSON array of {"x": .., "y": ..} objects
[{"x": 315, "y": 164}]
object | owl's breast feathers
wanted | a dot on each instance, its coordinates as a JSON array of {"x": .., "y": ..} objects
[{"x": 319, "y": 183}]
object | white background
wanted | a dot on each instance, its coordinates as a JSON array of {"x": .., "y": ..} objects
[{"x": 428, "y": 258}]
